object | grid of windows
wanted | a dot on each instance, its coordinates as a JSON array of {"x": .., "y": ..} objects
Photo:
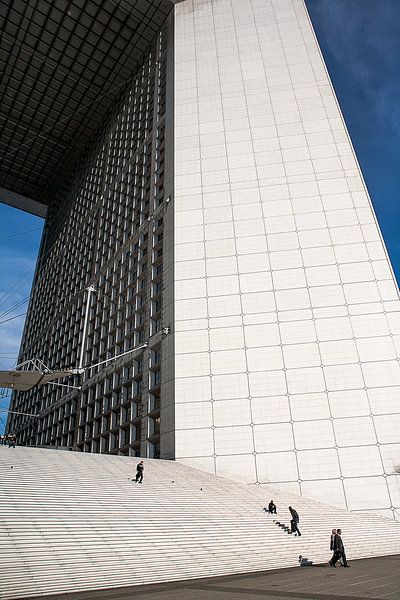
[{"x": 105, "y": 229}]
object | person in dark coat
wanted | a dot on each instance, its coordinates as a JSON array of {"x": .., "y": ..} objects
[
  {"x": 294, "y": 523},
  {"x": 343, "y": 558},
  {"x": 332, "y": 545},
  {"x": 139, "y": 472},
  {"x": 339, "y": 552},
  {"x": 272, "y": 508}
]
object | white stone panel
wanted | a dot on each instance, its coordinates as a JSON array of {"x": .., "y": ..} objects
[
  {"x": 349, "y": 403},
  {"x": 313, "y": 434},
  {"x": 387, "y": 428},
  {"x": 192, "y": 341},
  {"x": 271, "y": 470},
  {"x": 193, "y": 415},
  {"x": 368, "y": 492},
  {"x": 305, "y": 380},
  {"x": 195, "y": 442},
  {"x": 360, "y": 461},
  {"x": 228, "y": 361},
  {"x": 275, "y": 437},
  {"x": 241, "y": 467},
  {"x": 384, "y": 400},
  {"x": 231, "y": 440},
  {"x": 232, "y": 412},
  {"x": 264, "y": 359},
  {"x": 230, "y": 386},
  {"x": 357, "y": 431},
  {"x": 318, "y": 464},
  {"x": 286, "y": 312},
  {"x": 326, "y": 488},
  {"x": 272, "y": 409},
  {"x": 225, "y": 338}
]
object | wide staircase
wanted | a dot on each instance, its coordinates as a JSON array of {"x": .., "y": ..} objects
[{"x": 72, "y": 522}]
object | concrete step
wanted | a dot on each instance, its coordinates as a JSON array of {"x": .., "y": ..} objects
[{"x": 72, "y": 521}]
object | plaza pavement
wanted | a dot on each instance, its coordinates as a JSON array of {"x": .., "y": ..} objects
[{"x": 372, "y": 579}]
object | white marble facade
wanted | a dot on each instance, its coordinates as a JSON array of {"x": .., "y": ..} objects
[{"x": 287, "y": 315}]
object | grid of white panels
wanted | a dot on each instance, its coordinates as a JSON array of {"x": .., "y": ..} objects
[{"x": 287, "y": 315}]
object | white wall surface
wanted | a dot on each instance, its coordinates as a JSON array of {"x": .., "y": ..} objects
[{"x": 287, "y": 322}]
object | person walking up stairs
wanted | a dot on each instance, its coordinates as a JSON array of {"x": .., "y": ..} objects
[
  {"x": 294, "y": 521},
  {"x": 139, "y": 472}
]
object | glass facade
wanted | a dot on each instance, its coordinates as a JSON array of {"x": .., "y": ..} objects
[{"x": 105, "y": 228}]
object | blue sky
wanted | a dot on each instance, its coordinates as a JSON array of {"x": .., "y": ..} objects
[
  {"x": 20, "y": 235},
  {"x": 360, "y": 41}
]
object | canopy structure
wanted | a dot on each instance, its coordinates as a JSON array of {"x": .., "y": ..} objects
[
  {"x": 23, "y": 381},
  {"x": 26, "y": 380}
]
